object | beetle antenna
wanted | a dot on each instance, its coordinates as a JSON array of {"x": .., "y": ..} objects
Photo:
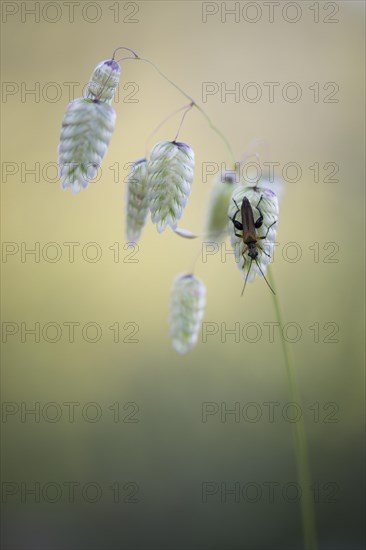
[
  {"x": 246, "y": 278},
  {"x": 264, "y": 276}
]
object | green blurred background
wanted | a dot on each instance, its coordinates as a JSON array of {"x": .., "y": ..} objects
[{"x": 170, "y": 452}]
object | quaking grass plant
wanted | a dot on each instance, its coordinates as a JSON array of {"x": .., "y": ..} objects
[{"x": 160, "y": 185}]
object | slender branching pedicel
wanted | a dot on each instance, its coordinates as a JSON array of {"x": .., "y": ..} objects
[
  {"x": 87, "y": 129},
  {"x": 170, "y": 176},
  {"x": 137, "y": 200},
  {"x": 264, "y": 204},
  {"x": 219, "y": 201},
  {"x": 187, "y": 304}
]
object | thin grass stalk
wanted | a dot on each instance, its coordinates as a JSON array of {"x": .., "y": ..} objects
[{"x": 300, "y": 442}]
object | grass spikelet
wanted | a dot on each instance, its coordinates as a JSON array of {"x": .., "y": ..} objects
[
  {"x": 170, "y": 176},
  {"x": 219, "y": 201},
  {"x": 137, "y": 200},
  {"x": 269, "y": 209},
  {"x": 85, "y": 135},
  {"x": 187, "y": 304},
  {"x": 104, "y": 81}
]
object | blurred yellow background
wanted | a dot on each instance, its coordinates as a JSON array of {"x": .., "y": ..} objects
[{"x": 169, "y": 453}]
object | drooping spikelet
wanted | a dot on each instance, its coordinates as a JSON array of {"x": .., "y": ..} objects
[
  {"x": 85, "y": 135},
  {"x": 87, "y": 128},
  {"x": 104, "y": 81},
  {"x": 137, "y": 200},
  {"x": 170, "y": 176},
  {"x": 219, "y": 200},
  {"x": 267, "y": 202},
  {"x": 187, "y": 304}
]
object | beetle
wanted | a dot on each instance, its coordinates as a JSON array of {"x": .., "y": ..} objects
[{"x": 249, "y": 233}]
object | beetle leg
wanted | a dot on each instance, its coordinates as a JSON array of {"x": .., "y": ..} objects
[
  {"x": 259, "y": 221},
  {"x": 264, "y": 252},
  {"x": 236, "y": 223},
  {"x": 236, "y": 204},
  {"x": 269, "y": 227}
]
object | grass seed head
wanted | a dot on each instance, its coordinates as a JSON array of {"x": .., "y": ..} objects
[
  {"x": 187, "y": 304},
  {"x": 219, "y": 201},
  {"x": 170, "y": 176},
  {"x": 104, "y": 81},
  {"x": 85, "y": 135},
  {"x": 137, "y": 200}
]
